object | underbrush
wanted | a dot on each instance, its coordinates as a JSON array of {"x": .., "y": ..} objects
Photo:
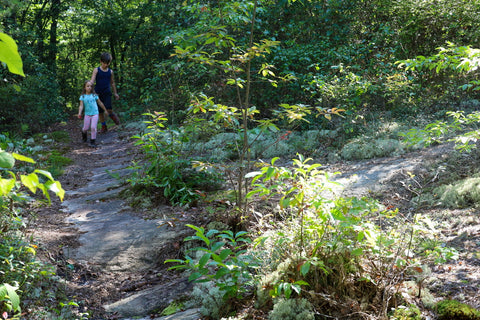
[
  {"x": 46, "y": 149},
  {"x": 331, "y": 144},
  {"x": 451, "y": 182},
  {"x": 26, "y": 284},
  {"x": 164, "y": 170},
  {"x": 316, "y": 255}
]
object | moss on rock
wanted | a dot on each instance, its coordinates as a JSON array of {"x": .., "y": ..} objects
[{"x": 452, "y": 309}]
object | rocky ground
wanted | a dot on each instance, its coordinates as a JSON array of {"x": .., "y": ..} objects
[{"x": 96, "y": 241}]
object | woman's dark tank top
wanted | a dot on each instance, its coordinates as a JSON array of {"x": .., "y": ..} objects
[{"x": 102, "y": 81}]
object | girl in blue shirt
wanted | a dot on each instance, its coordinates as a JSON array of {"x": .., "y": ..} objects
[{"x": 89, "y": 101}]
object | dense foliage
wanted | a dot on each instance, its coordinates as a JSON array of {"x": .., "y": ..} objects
[{"x": 341, "y": 53}]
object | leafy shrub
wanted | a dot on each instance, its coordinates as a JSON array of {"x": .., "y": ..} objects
[
  {"x": 346, "y": 248},
  {"x": 36, "y": 105},
  {"x": 51, "y": 158},
  {"x": 19, "y": 265},
  {"x": 345, "y": 89},
  {"x": 224, "y": 262},
  {"x": 166, "y": 171}
]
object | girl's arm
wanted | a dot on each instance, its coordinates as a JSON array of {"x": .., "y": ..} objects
[
  {"x": 100, "y": 103},
  {"x": 80, "y": 109},
  {"x": 114, "y": 87}
]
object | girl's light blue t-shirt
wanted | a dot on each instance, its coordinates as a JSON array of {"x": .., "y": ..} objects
[{"x": 90, "y": 104}]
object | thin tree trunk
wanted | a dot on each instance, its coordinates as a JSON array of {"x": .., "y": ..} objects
[{"x": 242, "y": 183}]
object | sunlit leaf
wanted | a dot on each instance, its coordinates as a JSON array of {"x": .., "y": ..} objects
[
  {"x": 9, "y": 54},
  {"x": 22, "y": 158},
  {"x": 30, "y": 181}
]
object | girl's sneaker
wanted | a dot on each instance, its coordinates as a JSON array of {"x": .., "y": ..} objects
[
  {"x": 92, "y": 143},
  {"x": 84, "y": 136}
]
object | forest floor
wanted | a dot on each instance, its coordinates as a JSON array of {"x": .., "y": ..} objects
[{"x": 388, "y": 179}]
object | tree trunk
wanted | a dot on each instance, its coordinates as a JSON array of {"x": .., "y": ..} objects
[{"x": 53, "y": 47}]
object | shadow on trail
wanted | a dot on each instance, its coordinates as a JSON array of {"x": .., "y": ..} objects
[{"x": 114, "y": 239}]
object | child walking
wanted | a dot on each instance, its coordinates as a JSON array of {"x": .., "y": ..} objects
[
  {"x": 89, "y": 101},
  {"x": 104, "y": 81}
]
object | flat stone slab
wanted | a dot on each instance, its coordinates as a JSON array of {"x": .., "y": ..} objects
[
  {"x": 191, "y": 314},
  {"x": 370, "y": 177},
  {"x": 150, "y": 299},
  {"x": 116, "y": 239}
]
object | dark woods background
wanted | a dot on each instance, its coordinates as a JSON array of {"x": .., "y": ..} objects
[{"x": 340, "y": 52}]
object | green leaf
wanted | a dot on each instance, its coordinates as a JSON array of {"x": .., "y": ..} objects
[
  {"x": 7, "y": 292},
  {"x": 270, "y": 172},
  {"x": 56, "y": 187},
  {"x": 301, "y": 283},
  {"x": 211, "y": 233},
  {"x": 286, "y": 288},
  {"x": 217, "y": 245},
  {"x": 216, "y": 258},
  {"x": 6, "y": 185},
  {"x": 174, "y": 260},
  {"x": 22, "y": 158},
  {"x": 204, "y": 259},
  {"x": 357, "y": 252},
  {"x": 240, "y": 233},
  {"x": 9, "y": 54},
  {"x": 45, "y": 173},
  {"x": 30, "y": 181},
  {"x": 305, "y": 268},
  {"x": 296, "y": 288},
  {"x": 45, "y": 192},
  {"x": 195, "y": 276},
  {"x": 253, "y": 174},
  {"x": 3, "y": 291},
  {"x": 14, "y": 298},
  {"x": 221, "y": 272},
  {"x": 225, "y": 253},
  {"x": 6, "y": 160}
]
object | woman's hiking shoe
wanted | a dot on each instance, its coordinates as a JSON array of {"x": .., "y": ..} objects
[
  {"x": 104, "y": 129},
  {"x": 115, "y": 118},
  {"x": 84, "y": 136}
]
